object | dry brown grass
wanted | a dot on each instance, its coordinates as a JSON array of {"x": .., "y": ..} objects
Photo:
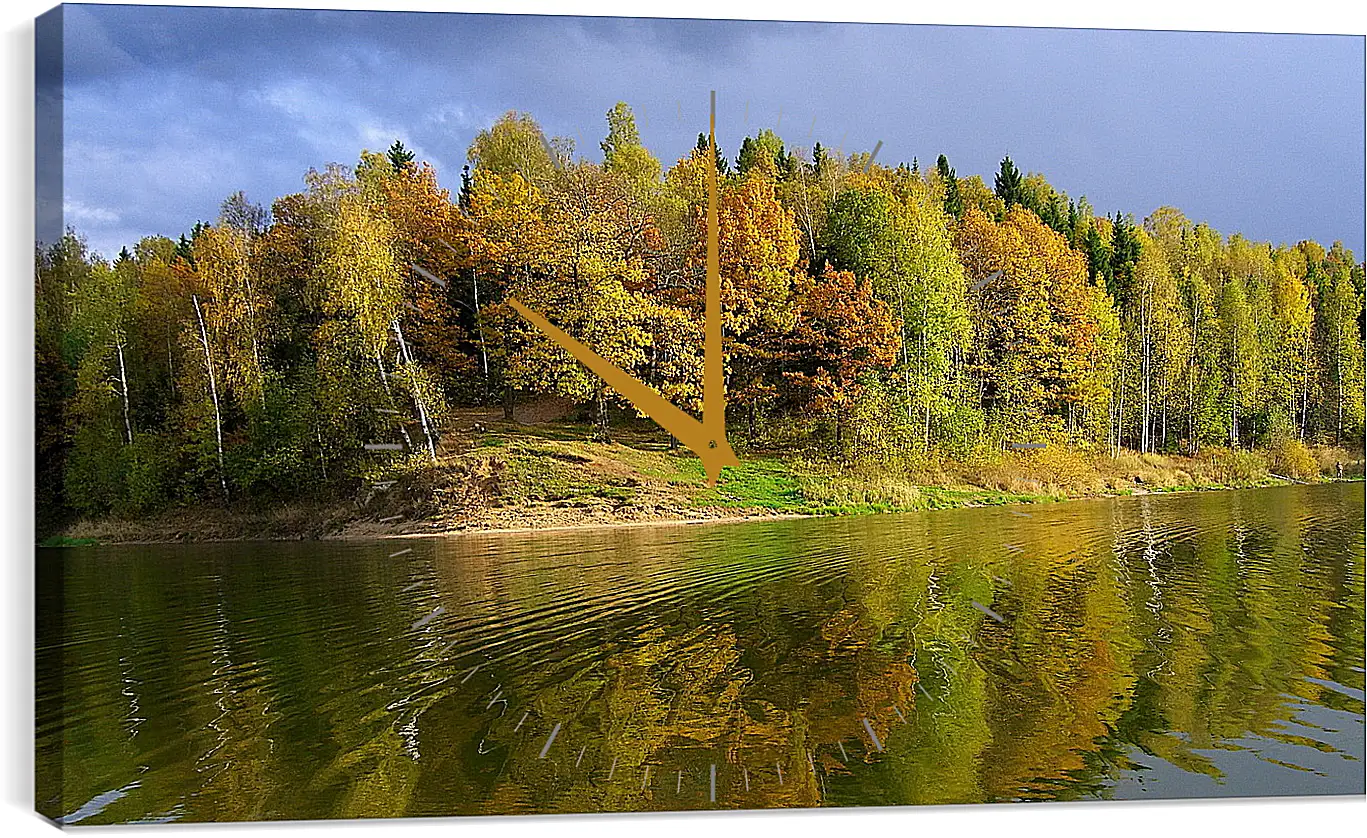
[
  {"x": 281, "y": 523},
  {"x": 857, "y": 489},
  {"x": 1063, "y": 471},
  {"x": 1338, "y": 462}
]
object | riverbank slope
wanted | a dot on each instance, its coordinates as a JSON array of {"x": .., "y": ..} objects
[{"x": 496, "y": 476}]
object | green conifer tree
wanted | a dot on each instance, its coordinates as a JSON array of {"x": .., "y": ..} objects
[
  {"x": 1009, "y": 184},
  {"x": 399, "y": 157}
]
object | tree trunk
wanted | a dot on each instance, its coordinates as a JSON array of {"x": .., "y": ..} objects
[
  {"x": 1146, "y": 373},
  {"x": 1163, "y": 440},
  {"x": 417, "y": 398},
  {"x": 807, "y": 214},
  {"x": 479, "y": 326},
  {"x": 925, "y": 378},
  {"x": 1120, "y": 421},
  {"x": 251, "y": 322},
  {"x": 170, "y": 366},
  {"x": 1305, "y": 382},
  {"x": 508, "y": 399},
  {"x": 384, "y": 379},
  {"x": 1110, "y": 426},
  {"x": 322, "y": 453},
  {"x": 603, "y": 415},
  {"x": 1191, "y": 379},
  {"x": 1234, "y": 399},
  {"x": 1234, "y": 420},
  {"x": 1338, "y": 374},
  {"x": 213, "y": 394},
  {"x": 906, "y": 359},
  {"x": 123, "y": 379}
]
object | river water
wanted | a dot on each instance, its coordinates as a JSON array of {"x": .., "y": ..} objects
[{"x": 1191, "y": 645}]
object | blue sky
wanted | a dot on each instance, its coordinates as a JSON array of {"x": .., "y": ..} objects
[{"x": 168, "y": 110}]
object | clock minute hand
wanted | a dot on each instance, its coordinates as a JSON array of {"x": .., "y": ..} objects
[
  {"x": 714, "y": 453},
  {"x": 714, "y": 387}
]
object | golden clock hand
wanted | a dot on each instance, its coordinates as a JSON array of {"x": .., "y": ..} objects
[
  {"x": 714, "y": 453},
  {"x": 714, "y": 386}
]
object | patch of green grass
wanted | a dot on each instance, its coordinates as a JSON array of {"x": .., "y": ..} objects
[
  {"x": 541, "y": 478},
  {"x": 822, "y": 488},
  {"x": 658, "y": 463},
  {"x": 764, "y": 483},
  {"x": 63, "y": 541},
  {"x": 558, "y": 432},
  {"x": 541, "y": 470},
  {"x": 564, "y": 453},
  {"x": 621, "y": 494}
]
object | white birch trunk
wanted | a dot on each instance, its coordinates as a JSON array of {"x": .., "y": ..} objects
[
  {"x": 123, "y": 380},
  {"x": 1146, "y": 373},
  {"x": 213, "y": 394},
  {"x": 479, "y": 325},
  {"x": 1338, "y": 374},
  {"x": 906, "y": 358},
  {"x": 925, "y": 378},
  {"x": 417, "y": 399},
  {"x": 170, "y": 366},
  {"x": 1120, "y": 421},
  {"x": 322, "y": 452},
  {"x": 1191, "y": 379},
  {"x": 251, "y": 316},
  {"x": 384, "y": 379}
]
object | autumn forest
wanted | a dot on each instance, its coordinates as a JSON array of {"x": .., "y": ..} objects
[{"x": 870, "y": 311}]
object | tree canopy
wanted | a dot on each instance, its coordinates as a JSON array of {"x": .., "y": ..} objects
[{"x": 876, "y": 307}]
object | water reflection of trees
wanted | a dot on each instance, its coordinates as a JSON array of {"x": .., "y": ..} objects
[{"x": 1167, "y": 626}]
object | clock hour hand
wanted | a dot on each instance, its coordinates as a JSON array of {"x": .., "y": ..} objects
[{"x": 713, "y": 449}]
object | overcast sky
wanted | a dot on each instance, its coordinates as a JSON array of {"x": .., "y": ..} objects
[{"x": 168, "y": 110}]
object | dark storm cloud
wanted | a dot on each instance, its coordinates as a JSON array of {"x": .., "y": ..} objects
[{"x": 168, "y": 109}]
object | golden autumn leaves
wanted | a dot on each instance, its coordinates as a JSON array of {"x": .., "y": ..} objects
[
  {"x": 620, "y": 261},
  {"x": 707, "y": 438},
  {"x": 376, "y": 306}
]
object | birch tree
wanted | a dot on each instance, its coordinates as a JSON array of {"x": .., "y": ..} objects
[{"x": 363, "y": 285}]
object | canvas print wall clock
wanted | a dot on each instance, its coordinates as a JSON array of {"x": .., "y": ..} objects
[{"x": 1009, "y": 383}]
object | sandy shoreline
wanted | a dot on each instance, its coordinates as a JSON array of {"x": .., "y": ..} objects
[
  {"x": 200, "y": 526},
  {"x": 334, "y": 524},
  {"x": 588, "y": 525}
]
